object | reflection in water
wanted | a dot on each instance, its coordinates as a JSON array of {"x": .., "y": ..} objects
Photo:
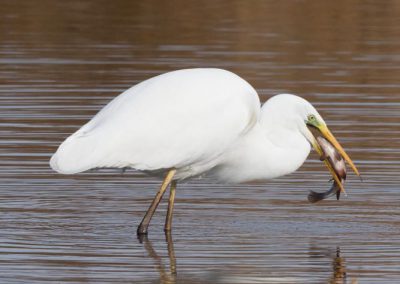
[
  {"x": 336, "y": 265},
  {"x": 339, "y": 269},
  {"x": 166, "y": 277}
]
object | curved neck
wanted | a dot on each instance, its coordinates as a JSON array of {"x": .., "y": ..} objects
[
  {"x": 264, "y": 153},
  {"x": 282, "y": 151}
]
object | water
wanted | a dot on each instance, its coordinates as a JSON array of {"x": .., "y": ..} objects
[{"x": 60, "y": 62}]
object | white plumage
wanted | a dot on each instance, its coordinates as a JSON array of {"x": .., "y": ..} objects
[
  {"x": 197, "y": 121},
  {"x": 193, "y": 120}
]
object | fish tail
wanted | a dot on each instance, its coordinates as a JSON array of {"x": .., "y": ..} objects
[{"x": 314, "y": 197}]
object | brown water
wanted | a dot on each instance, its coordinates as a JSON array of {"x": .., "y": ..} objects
[{"x": 60, "y": 61}]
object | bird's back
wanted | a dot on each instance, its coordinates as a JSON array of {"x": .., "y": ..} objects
[{"x": 183, "y": 119}]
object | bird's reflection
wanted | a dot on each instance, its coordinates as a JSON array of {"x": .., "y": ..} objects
[
  {"x": 338, "y": 264},
  {"x": 338, "y": 269},
  {"x": 166, "y": 276},
  {"x": 168, "y": 273}
]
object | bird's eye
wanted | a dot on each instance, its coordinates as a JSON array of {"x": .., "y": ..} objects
[{"x": 311, "y": 117}]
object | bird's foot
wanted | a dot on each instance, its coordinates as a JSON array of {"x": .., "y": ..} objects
[{"x": 141, "y": 230}]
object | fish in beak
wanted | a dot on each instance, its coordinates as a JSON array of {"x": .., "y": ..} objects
[
  {"x": 336, "y": 164},
  {"x": 333, "y": 155}
]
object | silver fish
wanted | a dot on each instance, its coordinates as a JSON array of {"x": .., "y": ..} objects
[{"x": 337, "y": 162}]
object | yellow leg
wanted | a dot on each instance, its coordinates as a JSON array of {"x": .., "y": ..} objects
[
  {"x": 168, "y": 220},
  {"x": 142, "y": 229}
]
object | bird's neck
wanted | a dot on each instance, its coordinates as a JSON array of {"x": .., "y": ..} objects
[{"x": 265, "y": 153}]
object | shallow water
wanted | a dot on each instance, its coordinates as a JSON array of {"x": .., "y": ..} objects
[{"x": 60, "y": 62}]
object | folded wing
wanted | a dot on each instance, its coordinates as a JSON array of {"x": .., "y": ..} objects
[{"x": 173, "y": 120}]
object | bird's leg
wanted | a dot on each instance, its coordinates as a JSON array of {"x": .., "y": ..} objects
[
  {"x": 168, "y": 219},
  {"x": 142, "y": 229}
]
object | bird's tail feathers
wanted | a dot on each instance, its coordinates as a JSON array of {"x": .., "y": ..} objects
[{"x": 76, "y": 154}]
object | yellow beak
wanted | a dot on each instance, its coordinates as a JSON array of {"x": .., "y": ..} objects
[{"x": 327, "y": 134}]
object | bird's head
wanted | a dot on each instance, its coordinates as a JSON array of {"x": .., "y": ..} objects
[
  {"x": 315, "y": 126},
  {"x": 295, "y": 113}
]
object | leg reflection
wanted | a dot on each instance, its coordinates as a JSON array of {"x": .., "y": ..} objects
[
  {"x": 166, "y": 277},
  {"x": 171, "y": 252}
]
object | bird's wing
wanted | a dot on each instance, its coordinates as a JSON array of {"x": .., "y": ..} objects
[{"x": 173, "y": 120}]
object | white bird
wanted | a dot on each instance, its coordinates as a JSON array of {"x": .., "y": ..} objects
[{"x": 194, "y": 122}]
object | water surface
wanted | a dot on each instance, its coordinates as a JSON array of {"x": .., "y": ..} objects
[{"x": 60, "y": 62}]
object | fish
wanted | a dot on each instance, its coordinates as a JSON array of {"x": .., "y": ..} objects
[{"x": 338, "y": 165}]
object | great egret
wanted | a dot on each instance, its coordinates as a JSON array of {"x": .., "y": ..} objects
[{"x": 191, "y": 122}]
